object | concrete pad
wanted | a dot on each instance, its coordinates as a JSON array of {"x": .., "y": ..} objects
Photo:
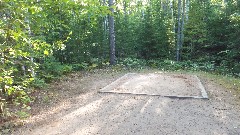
[{"x": 158, "y": 84}]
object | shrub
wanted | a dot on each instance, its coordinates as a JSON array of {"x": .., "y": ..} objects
[
  {"x": 51, "y": 69},
  {"x": 132, "y": 63}
]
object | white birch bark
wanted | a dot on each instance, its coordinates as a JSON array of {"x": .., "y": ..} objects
[
  {"x": 179, "y": 31},
  {"x": 182, "y": 24},
  {"x": 29, "y": 42}
]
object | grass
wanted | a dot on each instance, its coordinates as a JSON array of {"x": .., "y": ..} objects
[{"x": 227, "y": 81}]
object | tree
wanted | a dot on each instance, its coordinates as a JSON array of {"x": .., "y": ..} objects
[
  {"x": 112, "y": 33},
  {"x": 179, "y": 31},
  {"x": 182, "y": 27}
]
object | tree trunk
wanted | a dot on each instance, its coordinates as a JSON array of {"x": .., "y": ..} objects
[
  {"x": 172, "y": 15},
  {"x": 30, "y": 44},
  {"x": 187, "y": 10},
  {"x": 182, "y": 27},
  {"x": 164, "y": 7},
  {"x": 105, "y": 33},
  {"x": 179, "y": 31},
  {"x": 112, "y": 34},
  {"x": 23, "y": 67}
]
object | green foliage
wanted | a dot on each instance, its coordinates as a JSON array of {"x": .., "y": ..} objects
[
  {"x": 212, "y": 34},
  {"x": 23, "y": 48},
  {"x": 52, "y": 69},
  {"x": 169, "y": 65},
  {"x": 164, "y": 64},
  {"x": 23, "y": 114},
  {"x": 145, "y": 35},
  {"x": 81, "y": 66},
  {"x": 132, "y": 63},
  {"x": 236, "y": 69},
  {"x": 38, "y": 83}
]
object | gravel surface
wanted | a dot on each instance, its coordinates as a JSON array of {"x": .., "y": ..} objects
[
  {"x": 162, "y": 84},
  {"x": 84, "y": 111}
]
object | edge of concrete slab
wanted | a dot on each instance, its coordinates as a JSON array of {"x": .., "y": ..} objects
[
  {"x": 203, "y": 91},
  {"x": 143, "y": 94}
]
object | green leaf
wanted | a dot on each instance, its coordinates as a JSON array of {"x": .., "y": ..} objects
[
  {"x": 28, "y": 108},
  {"x": 46, "y": 52}
]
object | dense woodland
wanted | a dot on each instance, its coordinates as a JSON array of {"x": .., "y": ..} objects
[{"x": 44, "y": 39}]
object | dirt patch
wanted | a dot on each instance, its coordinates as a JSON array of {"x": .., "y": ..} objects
[
  {"x": 162, "y": 84},
  {"x": 85, "y": 111}
]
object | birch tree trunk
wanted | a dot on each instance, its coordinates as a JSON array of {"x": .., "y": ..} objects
[
  {"x": 23, "y": 67},
  {"x": 182, "y": 27},
  {"x": 112, "y": 34},
  {"x": 29, "y": 42},
  {"x": 179, "y": 31}
]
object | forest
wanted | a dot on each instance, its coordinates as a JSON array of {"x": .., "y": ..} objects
[{"x": 41, "y": 40}]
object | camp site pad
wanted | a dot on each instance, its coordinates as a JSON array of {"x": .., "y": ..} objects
[{"x": 158, "y": 84}]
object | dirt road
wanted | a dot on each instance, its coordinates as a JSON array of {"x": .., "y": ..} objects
[{"x": 84, "y": 111}]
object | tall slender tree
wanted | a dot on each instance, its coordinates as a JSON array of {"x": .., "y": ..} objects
[
  {"x": 27, "y": 19},
  {"x": 179, "y": 31},
  {"x": 172, "y": 14},
  {"x": 187, "y": 9},
  {"x": 182, "y": 26},
  {"x": 112, "y": 33}
]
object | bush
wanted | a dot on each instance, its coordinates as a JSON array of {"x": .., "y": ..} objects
[
  {"x": 183, "y": 65},
  {"x": 164, "y": 64},
  {"x": 132, "y": 63},
  {"x": 38, "y": 83},
  {"x": 51, "y": 69},
  {"x": 81, "y": 66}
]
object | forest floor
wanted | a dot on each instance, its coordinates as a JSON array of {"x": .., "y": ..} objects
[{"x": 74, "y": 106}]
